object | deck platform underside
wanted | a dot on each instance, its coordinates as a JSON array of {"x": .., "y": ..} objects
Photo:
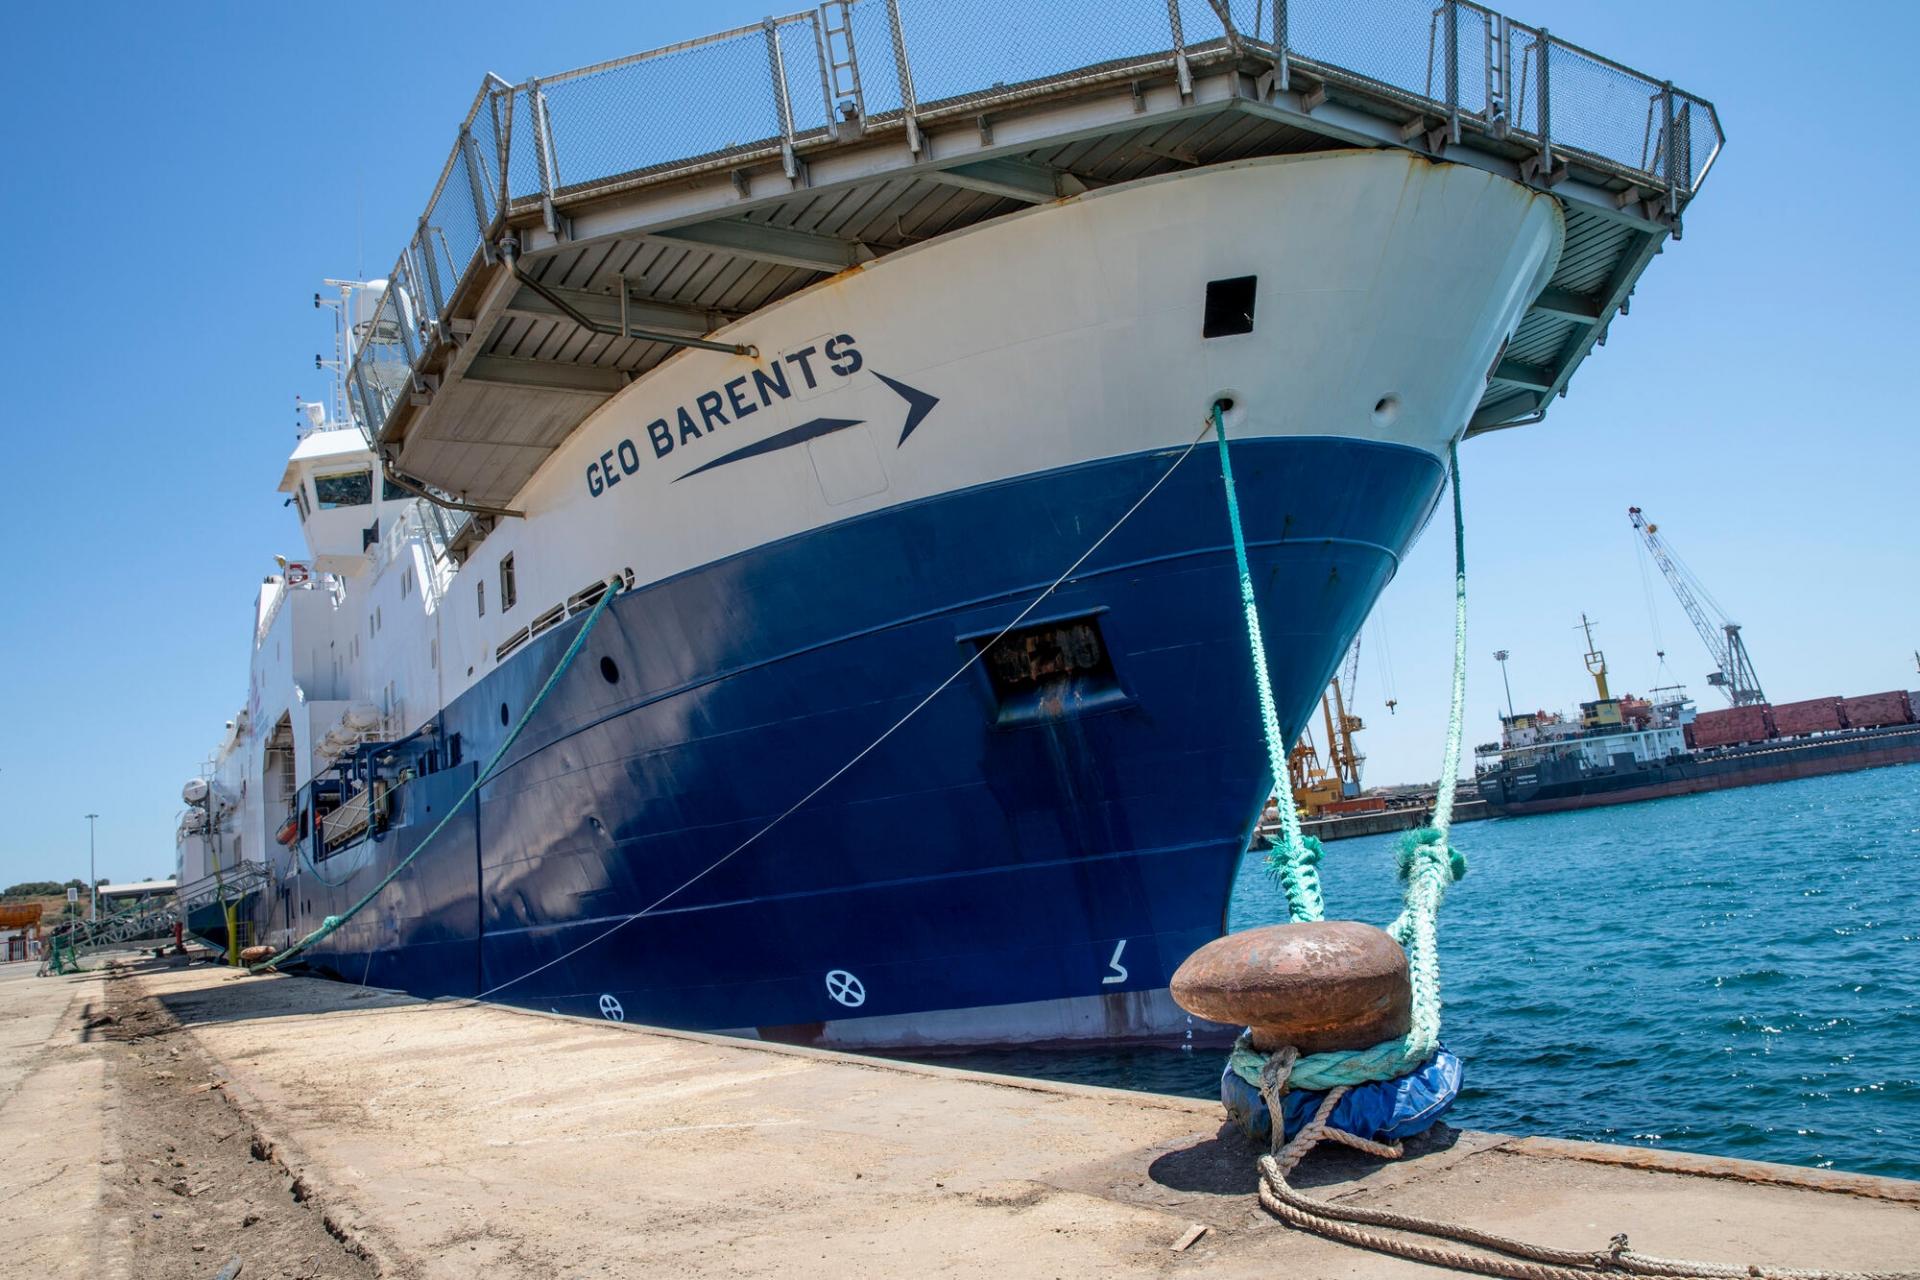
[{"x": 512, "y": 363}]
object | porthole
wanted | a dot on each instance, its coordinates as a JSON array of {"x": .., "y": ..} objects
[
  {"x": 609, "y": 671},
  {"x": 503, "y": 713}
]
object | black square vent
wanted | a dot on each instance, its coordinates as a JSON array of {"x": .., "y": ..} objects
[{"x": 1229, "y": 307}]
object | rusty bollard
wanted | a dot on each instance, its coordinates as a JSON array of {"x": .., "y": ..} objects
[{"x": 1332, "y": 984}]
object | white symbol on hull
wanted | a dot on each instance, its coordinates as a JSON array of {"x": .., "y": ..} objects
[
  {"x": 846, "y": 988},
  {"x": 1118, "y": 971},
  {"x": 610, "y": 1010}
]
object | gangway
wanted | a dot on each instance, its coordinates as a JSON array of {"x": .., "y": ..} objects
[
  {"x": 155, "y": 918},
  {"x": 588, "y": 224}
]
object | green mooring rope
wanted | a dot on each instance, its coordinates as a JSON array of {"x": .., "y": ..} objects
[
  {"x": 332, "y": 923},
  {"x": 1427, "y": 864}
]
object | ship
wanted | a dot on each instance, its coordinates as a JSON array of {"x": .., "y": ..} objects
[
  {"x": 765, "y": 567},
  {"x": 1619, "y": 750}
]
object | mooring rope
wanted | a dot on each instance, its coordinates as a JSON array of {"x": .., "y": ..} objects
[
  {"x": 332, "y": 923},
  {"x": 1511, "y": 1259},
  {"x": 978, "y": 654},
  {"x": 1298, "y": 871},
  {"x": 1427, "y": 864}
]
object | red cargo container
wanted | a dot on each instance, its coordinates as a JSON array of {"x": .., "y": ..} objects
[
  {"x": 1815, "y": 715},
  {"x": 1875, "y": 710},
  {"x": 1733, "y": 725}
]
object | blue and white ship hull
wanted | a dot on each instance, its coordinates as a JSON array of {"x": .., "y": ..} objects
[
  {"x": 983, "y": 855},
  {"x": 818, "y": 536}
]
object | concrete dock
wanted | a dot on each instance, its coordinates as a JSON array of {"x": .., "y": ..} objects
[{"x": 160, "y": 1122}]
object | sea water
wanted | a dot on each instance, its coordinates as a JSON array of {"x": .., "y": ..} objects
[{"x": 1735, "y": 973}]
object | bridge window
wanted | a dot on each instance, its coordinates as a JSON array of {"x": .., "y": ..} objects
[
  {"x": 509, "y": 593},
  {"x": 343, "y": 489},
  {"x": 1229, "y": 307}
]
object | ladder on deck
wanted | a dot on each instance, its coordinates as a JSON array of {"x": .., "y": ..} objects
[{"x": 843, "y": 67}]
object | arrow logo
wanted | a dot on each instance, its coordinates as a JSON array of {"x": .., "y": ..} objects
[
  {"x": 779, "y": 440},
  {"x": 919, "y": 405}
]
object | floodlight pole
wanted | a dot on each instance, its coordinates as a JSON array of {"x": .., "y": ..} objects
[{"x": 93, "y": 877}]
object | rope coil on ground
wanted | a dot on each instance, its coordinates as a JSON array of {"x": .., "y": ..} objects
[{"x": 1517, "y": 1260}]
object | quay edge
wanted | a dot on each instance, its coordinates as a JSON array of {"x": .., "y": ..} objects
[{"x": 447, "y": 1138}]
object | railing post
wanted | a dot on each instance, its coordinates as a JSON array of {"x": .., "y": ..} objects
[
  {"x": 1281, "y": 52},
  {"x": 1453, "y": 71},
  {"x": 543, "y": 147},
  {"x": 1182, "y": 73},
  {"x": 477, "y": 190},
  {"x": 373, "y": 406},
  {"x": 503, "y": 148},
  {"x": 777, "y": 67},
  {"x": 909, "y": 104},
  {"x": 1546, "y": 108},
  {"x": 396, "y": 289},
  {"x": 1671, "y": 151},
  {"x": 423, "y": 245}
]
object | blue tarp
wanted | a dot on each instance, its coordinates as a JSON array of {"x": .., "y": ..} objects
[{"x": 1383, "y": 1111}]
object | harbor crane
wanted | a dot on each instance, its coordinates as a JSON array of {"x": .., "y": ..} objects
[
  {"x": 1733, "y": 674},
  {"x": 1317, "y": 786}
]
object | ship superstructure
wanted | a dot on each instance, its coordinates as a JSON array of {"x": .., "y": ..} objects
[{"x": 870, "y": 373}]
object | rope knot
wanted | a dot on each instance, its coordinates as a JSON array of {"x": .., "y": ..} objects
[
  {"x": 1276, "y": 1069},
  {"x": 1429, "y": 845}
]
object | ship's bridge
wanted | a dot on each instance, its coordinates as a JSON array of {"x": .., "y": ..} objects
[{"x": 588, "y": 224}]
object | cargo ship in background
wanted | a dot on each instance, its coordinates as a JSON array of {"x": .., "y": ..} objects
[{"x": 1619, "y": 750}]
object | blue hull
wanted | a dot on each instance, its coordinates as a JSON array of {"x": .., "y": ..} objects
[{"x": 1000, "y": 848}]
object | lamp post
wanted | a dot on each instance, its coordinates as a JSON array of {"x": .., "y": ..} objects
[
  {"x": 93, "y": 878},
  {"x": 1500, "y": 656}
]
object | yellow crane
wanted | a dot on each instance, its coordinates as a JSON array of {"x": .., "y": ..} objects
[{"x": 1317, "y": 786}]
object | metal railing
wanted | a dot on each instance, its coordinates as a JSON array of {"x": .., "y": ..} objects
[{"x": 775, "y": 88}]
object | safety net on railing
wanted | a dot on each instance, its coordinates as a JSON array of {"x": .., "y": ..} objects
[{"x": 765, "y": 89}]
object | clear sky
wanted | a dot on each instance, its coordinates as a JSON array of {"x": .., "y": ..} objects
[{"x": 178, "y": 179}]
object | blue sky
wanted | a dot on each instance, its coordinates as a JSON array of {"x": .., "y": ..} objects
[{"x": 178, "y": 180}]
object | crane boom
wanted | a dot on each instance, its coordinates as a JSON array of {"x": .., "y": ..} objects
[{"x": 1733, "y": 674}]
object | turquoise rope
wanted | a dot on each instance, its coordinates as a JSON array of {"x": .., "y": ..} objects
[
  {"x": 332, "y": 923},
  {"x": 1428, "y": 865},
  {"x": 1298, "y": 872}
]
